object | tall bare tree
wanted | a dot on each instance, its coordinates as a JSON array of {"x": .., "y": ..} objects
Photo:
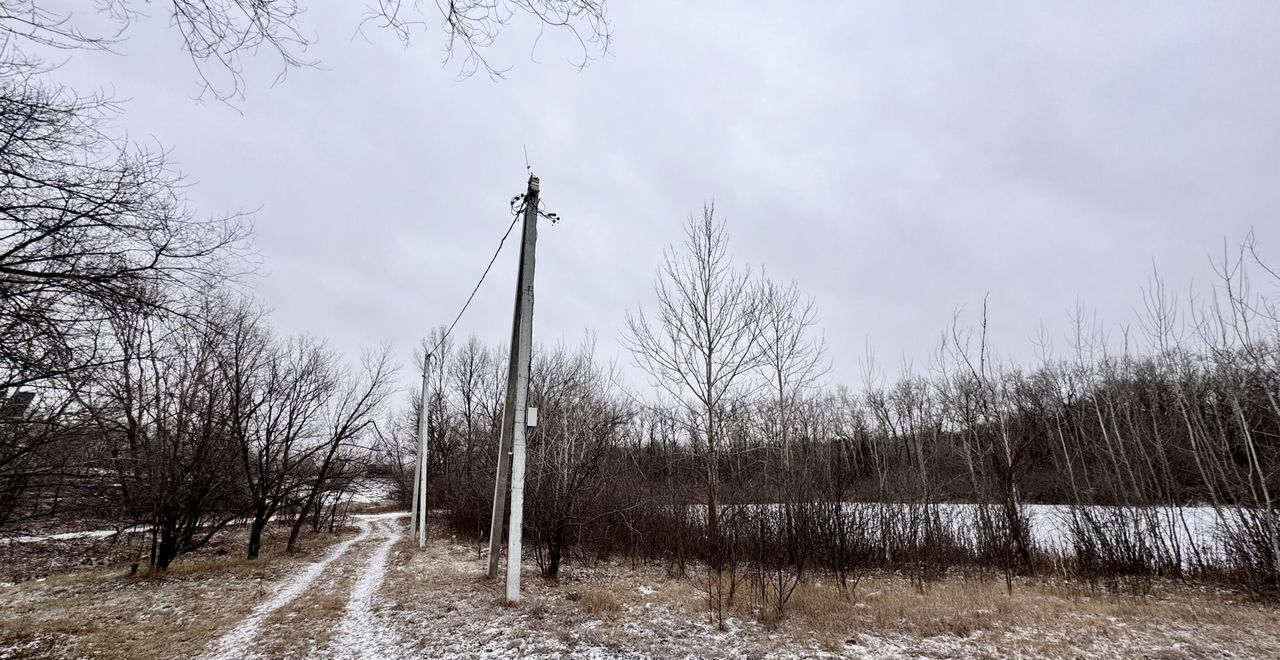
[
  {"x": 580, "y": 424},
  {"x": 350, "y": 414},
  {"x": 92, "y": 230},
  {"x": 276, "y": 394},
  {"x": 701, "y": 346},
  {"x": 792, "y": 363},
  {"x": 89, "y": 226},
  {"x": 793, "y": 360}
]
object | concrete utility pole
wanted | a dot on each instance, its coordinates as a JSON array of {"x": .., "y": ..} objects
[
  {"x": 514, "y": 415},
  {"x": 413, "y": 503},
  {"x": 505, "y": 435},
  {"x": 417, "y": 481},
  {"x": 420, "y": 489}
]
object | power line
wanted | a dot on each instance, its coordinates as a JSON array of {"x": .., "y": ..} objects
[{"x": 503, "y": 240}]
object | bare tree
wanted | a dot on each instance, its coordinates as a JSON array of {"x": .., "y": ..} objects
[
  {"x": 701, "y": 348},
  {"x": 792, "y": 360},
  {"x": 164, "y": 414},
  {"x": 92, "y": 229},
  {"x": 90, "y": 226},
  {"x": 473, "y": 26},
  {"x": 350, "y": 413},
  {"x": 792, "y": 363},
  {"x": 276, "y": 393},
  {"x": 476, "y": 378},
  {"x": 580, "y": 424}
]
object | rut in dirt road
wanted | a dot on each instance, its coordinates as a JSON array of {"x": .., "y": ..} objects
[
  {"x": 360, "y": 635},
  {"x": 239, "y": 642}
]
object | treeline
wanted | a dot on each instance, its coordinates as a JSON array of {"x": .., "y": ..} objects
[
  {"x": 743, "y": 460},
  {"x": 137, "y": 387},
  {"x": 191, "y": 423}
]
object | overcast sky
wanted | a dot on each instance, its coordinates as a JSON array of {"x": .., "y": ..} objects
[{"x": 897, "y": 160}]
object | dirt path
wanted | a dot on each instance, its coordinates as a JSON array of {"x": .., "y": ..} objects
[
  {"x": 362, "y": 635},
  {"x": 375, "y": 597},
  {"x": 357, "y": 636}
]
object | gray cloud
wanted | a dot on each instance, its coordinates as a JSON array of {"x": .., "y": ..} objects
[{"x": 897, "y": 159}]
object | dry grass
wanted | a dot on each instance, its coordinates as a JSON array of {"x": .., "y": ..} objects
[
  {"x": 600, "y": 602},
  {"x": 1039, "y": 618},
  {"x": 106, "y": 613},
  {"x": 439, "y": 602},
  {"x": 642, "y": 610}
]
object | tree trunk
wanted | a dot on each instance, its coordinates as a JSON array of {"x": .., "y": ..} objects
[
  {"x": 167, "y": 550},
  {"x": 554, "y": 550},
  {"x": 255, "y": 535}
]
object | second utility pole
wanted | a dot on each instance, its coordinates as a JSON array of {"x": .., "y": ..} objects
[
  {"x": 420, "y": 489},
  {"x": 515, "y": 411}
]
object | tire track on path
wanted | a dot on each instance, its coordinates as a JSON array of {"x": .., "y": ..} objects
[
  {"x": 237, "y": 644},
  {"x": 360, "y": 635}
]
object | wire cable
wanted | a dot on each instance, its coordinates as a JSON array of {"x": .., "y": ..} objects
[{"x": 518, "y": 213}]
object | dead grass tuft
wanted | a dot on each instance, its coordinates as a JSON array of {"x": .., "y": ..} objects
[{"x": 600, "y": 602}]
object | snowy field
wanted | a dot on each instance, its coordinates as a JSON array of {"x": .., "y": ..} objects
[
  {"x": 1190, "y": 531},
  {"x": 72, "y": 536},
  {"x": 366, "y": 491},
  {"x": 370, "y": 593},
  {"x": 372, "y": 490},
  {"x": 1195, "y": 531}
]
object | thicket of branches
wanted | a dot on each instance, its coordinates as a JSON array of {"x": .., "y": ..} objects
[
  {"x": 136, "y": 387},
  {"x": 218, "y": 36},
  {"x": 1162, "y": 455},
  {"x": 198, "y": 421}
]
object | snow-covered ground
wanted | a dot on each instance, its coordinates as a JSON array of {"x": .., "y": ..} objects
[
  {"x": 372, "y": 490},
  {"x": 73, "y": 536},
  {"x": 374, "y": 595},
  {"x": 362, "y": 634},
  {"x": 238, "y": 643}
]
